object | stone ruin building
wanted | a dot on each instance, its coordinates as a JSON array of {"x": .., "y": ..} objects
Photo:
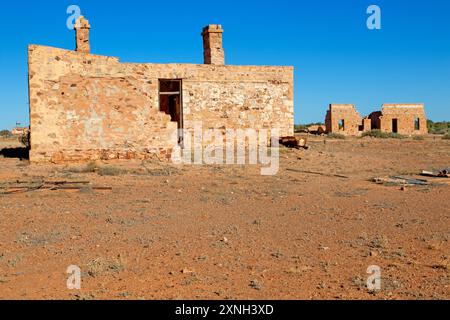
[
  {"x": 87, "y": 107},
  {"x": 405, "y": 119}
]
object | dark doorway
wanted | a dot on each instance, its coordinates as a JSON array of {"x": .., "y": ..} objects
[
  {"x": 416, "y": 123},
  {"x": 170, "y": 100},
  {"x": 394, "y": 125}
]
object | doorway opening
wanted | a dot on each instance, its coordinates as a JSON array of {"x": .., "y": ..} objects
[
  {"x": 417, "y": 123},
  {"x": 170, "y": 101},
  {"x": 395, "y": 125}
]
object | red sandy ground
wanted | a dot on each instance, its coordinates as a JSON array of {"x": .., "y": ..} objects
[{"x": 209, "y": 232}]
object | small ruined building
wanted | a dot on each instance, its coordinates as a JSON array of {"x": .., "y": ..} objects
[
  {"x": 17, "y": 131},
  {"x": 344, "y": 119},
  {"x": 88, "y": 107},
  {"x": 405, "y": 119},
  {"x": 316, "y": 129}
]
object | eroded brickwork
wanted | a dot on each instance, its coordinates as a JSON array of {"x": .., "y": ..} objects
[
  {"x": 85, "y": 106},
  {"x": 212, "y": 45},
  {"x": 82, "y": 28}
]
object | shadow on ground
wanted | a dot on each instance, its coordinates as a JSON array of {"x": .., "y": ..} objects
[{"x": 20, "y": 153}]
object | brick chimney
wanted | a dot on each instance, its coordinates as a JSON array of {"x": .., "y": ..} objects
[
  {"x": 212, "y": 45},
  {"x": 82, "y": 28}
]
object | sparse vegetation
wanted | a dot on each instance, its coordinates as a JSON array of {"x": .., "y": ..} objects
[
  {"x": 336, "y": 136},
  {"x": 442, "y": 127},
  {"x": 302, "y": 127},
  {"x": 93, "y": 167},
  {"x": 99, "y": 266},
  {"x": 418, "y": 138},
  {"x": 110, "y": 170},
  {"x": 382, "y": 135},
  {"x": 178, "y": 227},
  {"x": 446, "y": 137}
]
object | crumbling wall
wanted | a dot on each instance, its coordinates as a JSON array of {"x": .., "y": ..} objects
[
  {"x": 366, "y": 124},
  {"x": 406, "y": 116},
  {"x": 346, "y": 113},
  {"x": 84, "y": 106}
]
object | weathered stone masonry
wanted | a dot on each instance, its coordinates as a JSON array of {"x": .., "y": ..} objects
[{"x": 88, "y": 107}]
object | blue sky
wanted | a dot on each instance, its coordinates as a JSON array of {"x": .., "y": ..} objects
[{"x": 336, "y": 57}]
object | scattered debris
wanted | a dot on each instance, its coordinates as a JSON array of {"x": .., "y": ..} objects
[
  {"x": 187, "y": 271},
  {"x": 318, "y": 173},
  {"x": 443, "y": 173},
  {"x": 29, "y": 186},
  {"x": 437, "y": 177},
  {"x": 400, "y": 181},
  {"x": 293, "y": 142}
]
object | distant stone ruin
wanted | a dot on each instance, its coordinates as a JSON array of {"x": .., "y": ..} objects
[{"x": 405, "y": 119}]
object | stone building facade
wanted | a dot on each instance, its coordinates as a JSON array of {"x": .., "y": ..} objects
[
  {"x": 405, "y": 119},
  {"x": 88, "y": 107}
]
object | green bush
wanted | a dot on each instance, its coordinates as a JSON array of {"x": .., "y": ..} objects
[
  {"x": 382, "y": 135},
  {"x": 5, "y": 134},
  {"x": 442, "y": 127}
]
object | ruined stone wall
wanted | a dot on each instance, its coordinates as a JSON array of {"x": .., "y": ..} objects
[
  {"x": 85, "y": 106},
  {"x": 346, "y": 112},
  {"x": 366, "y": 124},
  {"x": 406, "y": 115}
]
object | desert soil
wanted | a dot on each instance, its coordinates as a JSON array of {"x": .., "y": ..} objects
[{"x": 166, "y": 231}]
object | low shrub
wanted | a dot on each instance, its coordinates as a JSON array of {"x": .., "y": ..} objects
[
  {"x": 382, "y": 135},
  {"x": 336, "y": 136}
]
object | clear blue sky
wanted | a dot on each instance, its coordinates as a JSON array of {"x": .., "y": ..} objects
[{"x": 336, "y": 57}]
